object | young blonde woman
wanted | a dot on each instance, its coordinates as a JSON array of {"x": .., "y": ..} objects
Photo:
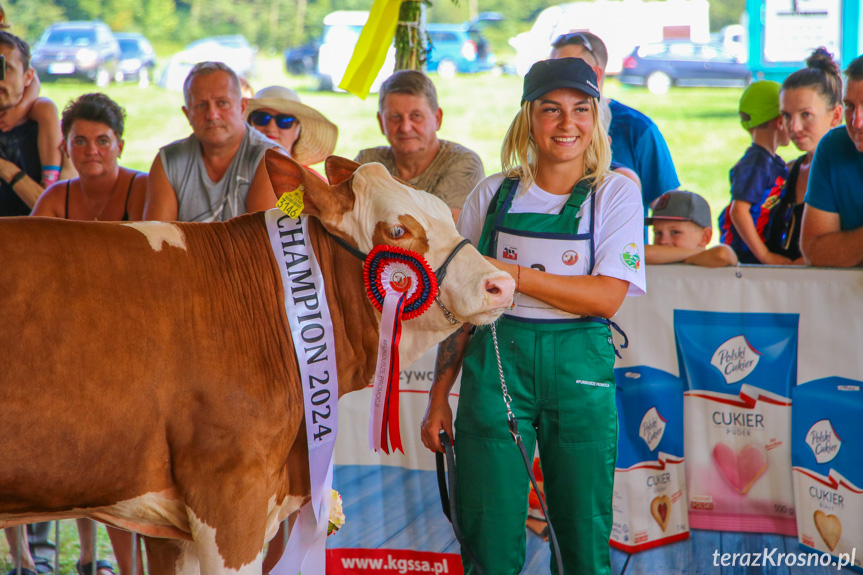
[
  {"x": 811, "y": 105},
  {"x": 570, "y": 233}
]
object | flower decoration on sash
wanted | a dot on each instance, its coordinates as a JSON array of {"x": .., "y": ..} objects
[
  {"x": 337, "y": 514},
  {"x": 400, "y": 285}
]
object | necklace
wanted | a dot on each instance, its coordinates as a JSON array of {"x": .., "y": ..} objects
[{"x": 91, "y": 213}]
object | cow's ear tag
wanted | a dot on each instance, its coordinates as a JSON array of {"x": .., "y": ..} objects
[{"x": 292, "y": 202}]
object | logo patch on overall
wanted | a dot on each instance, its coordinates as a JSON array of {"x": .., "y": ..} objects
[
  {"x": 630, "y": 257},
  {"x": 510, "y": 253},
  {"x": 569, "y": 257}
]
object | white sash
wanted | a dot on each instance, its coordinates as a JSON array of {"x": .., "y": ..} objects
[{"x": 312, "y": 334}]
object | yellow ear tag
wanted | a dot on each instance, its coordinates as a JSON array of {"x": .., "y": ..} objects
[{"x": 292, "y": 202}]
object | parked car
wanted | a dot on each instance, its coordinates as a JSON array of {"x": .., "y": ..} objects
[
  {"x": 303, "y": 60},
  {"x": 83, "y": 50},
  {"x": 622, "y": 26},
  {"x": 234, "y": 51},
  {"x": 341, "y": 31},
  {"x": 682, "y": 63},
  {"x": 137, "y": 58},
  {"x": 460, "y": 47}
]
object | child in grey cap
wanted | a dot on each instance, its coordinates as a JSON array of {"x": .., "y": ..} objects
[{"x": 682, "y": 228}]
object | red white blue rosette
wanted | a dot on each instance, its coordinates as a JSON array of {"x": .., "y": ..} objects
[
  {"x": 390, "y": 269},
  {"x": 401, "y": 285}
]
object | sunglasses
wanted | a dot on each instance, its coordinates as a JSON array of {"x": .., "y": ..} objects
[
  {"x": 573, "y": 38},
  {"x": 283, "y": 121}
]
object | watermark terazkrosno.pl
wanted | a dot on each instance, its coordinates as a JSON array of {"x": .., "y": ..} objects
[{"x": 775, "y": 558}]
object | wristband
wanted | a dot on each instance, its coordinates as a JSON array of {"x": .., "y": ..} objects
[
  {"x": 17, "y": 178},
  {"x": 518, "y": 279}
]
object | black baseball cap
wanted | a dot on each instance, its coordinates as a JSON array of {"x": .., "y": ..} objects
[{"x": 548, "y": 75}]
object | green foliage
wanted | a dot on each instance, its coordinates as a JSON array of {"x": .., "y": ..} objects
[
  {"x": 725, "y": 12},
  {"x": 28, "y": 17}
]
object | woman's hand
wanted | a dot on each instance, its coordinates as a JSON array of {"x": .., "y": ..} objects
[{"x": 438, "y": 417}]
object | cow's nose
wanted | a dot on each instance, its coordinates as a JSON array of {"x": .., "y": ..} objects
[{"x": 500, "y": 289}]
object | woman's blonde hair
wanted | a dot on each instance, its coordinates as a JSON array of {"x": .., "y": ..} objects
[{"x": 518, "y": 155}]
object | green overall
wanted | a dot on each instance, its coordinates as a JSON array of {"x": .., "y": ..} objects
[{"x": 559, "y": 375}]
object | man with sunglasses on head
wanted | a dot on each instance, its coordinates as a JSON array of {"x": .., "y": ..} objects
[
  {"x": 217, "y": 172},
  {"x": 636, "y": 142},
  {"x": 409, "y": 118}
]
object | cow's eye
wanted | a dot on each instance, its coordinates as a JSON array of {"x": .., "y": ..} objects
[{"x": 397, "y": 232}]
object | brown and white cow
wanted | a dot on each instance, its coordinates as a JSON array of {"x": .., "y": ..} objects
[{"x": 148, "y": 377}]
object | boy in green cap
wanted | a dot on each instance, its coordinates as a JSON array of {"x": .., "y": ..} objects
[{"x": 757, "y": 179}]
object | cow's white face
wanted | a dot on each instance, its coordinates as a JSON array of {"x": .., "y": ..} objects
[
  {"x": 389, "y": 212},
  {"x": 368, "y": 207}
]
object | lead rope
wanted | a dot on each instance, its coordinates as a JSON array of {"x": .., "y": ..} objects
[{"x": 512, "y": 422}]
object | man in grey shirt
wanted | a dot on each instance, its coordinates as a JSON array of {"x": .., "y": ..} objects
[
  {"x": 409, "y": 118},
  {"x": 217, "y": 172}
]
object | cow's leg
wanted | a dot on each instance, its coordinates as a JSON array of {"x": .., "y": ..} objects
[
  {"x": 218, "y": 559},
  {"x": 171, "y": 557}
]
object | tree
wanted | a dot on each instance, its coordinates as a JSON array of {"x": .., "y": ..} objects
[
  {"x": 726, "y": 12},
  {"x": 158, "y": 19},
  {"x": 30, "y": 17}
]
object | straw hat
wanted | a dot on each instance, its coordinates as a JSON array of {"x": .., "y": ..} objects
[{"x": 318, "y": 135}]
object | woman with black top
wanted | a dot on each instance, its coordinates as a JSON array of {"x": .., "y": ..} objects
[
  {"x": 811, "y": 105},
  {"x": 105, "y": 191}
]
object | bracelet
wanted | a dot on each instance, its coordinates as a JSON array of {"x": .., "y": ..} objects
[
  {"x": 518, "y": 278},
  {"x": 17, "y": 178}
]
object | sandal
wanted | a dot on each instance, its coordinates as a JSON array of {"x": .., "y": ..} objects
[{"x": 87, "y": 568}]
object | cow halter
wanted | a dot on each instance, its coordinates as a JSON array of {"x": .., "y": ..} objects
[{"x": 439, "y": 273}]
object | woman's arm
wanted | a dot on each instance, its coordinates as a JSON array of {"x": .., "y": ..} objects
[
  {"x": 597, "y": 295},
  {"x": 438, "y": 416},
  {"x": 52, "y": 203}
]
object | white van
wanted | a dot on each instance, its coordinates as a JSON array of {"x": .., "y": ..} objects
[
  {"x": 341, "y": 31},
  {"x": 622, "y": 25}
]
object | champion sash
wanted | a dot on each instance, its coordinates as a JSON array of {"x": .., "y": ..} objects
[{"x": 312, "y": 334}]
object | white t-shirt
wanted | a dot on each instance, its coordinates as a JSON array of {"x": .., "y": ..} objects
[{"x": 618, "y": 231}]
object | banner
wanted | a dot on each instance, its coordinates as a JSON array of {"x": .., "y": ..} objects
[{"x": 391, "y": 502}]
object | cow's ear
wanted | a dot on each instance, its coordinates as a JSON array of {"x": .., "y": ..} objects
[
  {"x": 285, "y": 173},
  {"x": 339, "y": 169},
  {"x": 327, "y": 203}
]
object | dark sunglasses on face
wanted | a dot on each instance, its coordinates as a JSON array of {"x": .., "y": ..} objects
[
  {"x": 573, "y": 38},
  {"x": 283, "y": 121}
]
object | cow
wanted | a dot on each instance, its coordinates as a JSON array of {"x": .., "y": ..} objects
[{"x": 148, "y": 377}]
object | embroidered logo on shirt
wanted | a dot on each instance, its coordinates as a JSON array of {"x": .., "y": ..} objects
[
  {"x": 569, "y": 257},
  {"x": 510, "y": 253},
  {"x": 630, "y": 257}
]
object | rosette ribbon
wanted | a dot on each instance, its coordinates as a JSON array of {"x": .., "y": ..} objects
[{"x": 401, "y": 285}]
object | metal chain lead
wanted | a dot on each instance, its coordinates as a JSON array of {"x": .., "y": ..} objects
[{"x": 506, "y": 397}]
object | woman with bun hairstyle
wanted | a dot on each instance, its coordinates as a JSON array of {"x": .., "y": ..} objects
[
  {"x": 811, "y": 105},
  {"x": 570, "y": 233}
]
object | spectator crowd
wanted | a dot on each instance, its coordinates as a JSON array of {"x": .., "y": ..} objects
[{"x": 805, "y": 212}]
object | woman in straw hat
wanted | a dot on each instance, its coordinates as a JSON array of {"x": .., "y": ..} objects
[{"x": 305, "y": 134}]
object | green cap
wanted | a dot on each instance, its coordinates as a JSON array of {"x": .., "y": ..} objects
[{"x": 759, "y": 103}]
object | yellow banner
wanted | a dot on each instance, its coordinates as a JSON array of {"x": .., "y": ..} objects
[{"x": 372, "y": 46}]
